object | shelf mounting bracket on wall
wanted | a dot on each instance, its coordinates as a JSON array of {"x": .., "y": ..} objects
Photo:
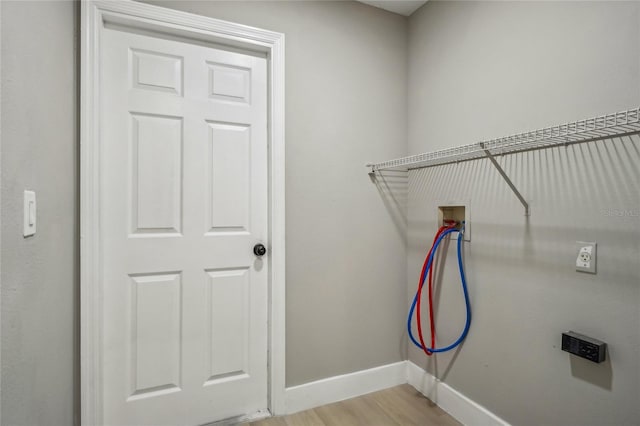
[{"x": 527, "y": 210}]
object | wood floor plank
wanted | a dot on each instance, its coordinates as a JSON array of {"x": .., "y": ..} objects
[
  {"x": 397, "y": 413},
  {"x": 398, "y": 406},
  {"x": 270, "y": 421},
  {"x": 369, "y": 413},
  {"x": 406, "y": 410},
  {"x": 304, "y": 418},
  {"x": 337, "y": 414},
  {"x": 417, "y": 398}
]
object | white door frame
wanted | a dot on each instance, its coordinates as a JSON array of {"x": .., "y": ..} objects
[
  {"x": 0, "y": 213},
  {"x": 95, "y": 13}
]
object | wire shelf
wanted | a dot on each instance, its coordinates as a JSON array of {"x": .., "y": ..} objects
[{"x": 606, "y": 126}]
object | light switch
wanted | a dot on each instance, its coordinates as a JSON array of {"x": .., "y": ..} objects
[{"x": 29, "y": 217}]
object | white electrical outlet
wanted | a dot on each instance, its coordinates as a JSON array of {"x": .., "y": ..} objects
[{"x": 586, "y": 257}]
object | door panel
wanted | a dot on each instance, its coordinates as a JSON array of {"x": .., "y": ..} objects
[
  {"x": 184, "y": 178},
  {"x": 229, "y": 331},
  {"x": 156, "y": 159},
  {"x": 155, "y": 334},
  {"x": 230, "y": 83},
  {"x": 229, "y": 199},
  {"x": 157, "y": 71}
]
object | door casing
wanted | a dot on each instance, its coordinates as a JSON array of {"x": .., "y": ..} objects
[{"x": 95, "y": 15}]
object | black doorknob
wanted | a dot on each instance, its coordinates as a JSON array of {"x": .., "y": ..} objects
[{"x": 259, "y": 250}]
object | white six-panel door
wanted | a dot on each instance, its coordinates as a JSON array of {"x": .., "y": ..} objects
[{"x": 183, "y": 136}]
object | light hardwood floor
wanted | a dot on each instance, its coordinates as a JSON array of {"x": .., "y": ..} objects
[{"x": 400, "y": 405}]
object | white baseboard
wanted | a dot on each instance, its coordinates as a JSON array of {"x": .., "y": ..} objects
[
  {"x": 450, "y": 400},
  {"x": 338, "y": 388}
]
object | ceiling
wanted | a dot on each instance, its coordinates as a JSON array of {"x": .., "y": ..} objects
[{"x": 401, "y": 7}]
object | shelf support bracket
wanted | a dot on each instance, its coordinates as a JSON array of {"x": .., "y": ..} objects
[
  {"x": 527, "y": 211},
  {"x": 372, "y": 172}
]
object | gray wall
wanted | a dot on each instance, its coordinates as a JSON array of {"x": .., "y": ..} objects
[
  {"x": 39, "y": 152},
  {"x": 479, "y": 70},
  {"x": 345, "y": 105}
]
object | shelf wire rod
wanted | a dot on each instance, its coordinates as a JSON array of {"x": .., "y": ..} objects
[{"x": 607, "y": 126}]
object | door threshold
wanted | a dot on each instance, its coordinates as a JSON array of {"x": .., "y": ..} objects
[{"x": 258, "y": 415}]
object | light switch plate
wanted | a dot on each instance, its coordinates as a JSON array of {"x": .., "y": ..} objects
[
  {"x": 29, "y": 216},
  {"x": 586, "y": 257}
]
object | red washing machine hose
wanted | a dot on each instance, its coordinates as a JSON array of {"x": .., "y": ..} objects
[{"x": 430, "y": 284}]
